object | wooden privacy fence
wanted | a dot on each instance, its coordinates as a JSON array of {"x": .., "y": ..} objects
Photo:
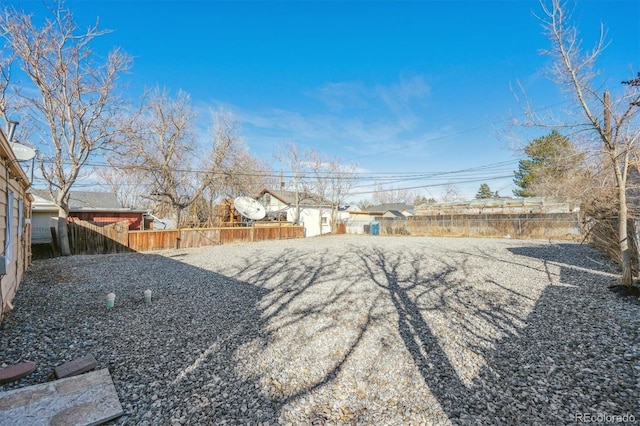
[
  {"x": 556, "y": 226},
  {"x": 95, "y": 238},
  {"x": 92, "y": 238},
  {"x": 199, "y": 237}
]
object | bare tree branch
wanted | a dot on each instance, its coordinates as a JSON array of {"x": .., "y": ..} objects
[
  {"x": 612, "y": 122},
  {"x": 77, "y": 106}
]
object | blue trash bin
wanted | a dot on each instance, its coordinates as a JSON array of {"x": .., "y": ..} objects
[{"x": 375, "y": 228}]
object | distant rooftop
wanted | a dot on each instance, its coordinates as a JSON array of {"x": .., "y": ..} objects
[
  {"x": 289, "y": 197},
  {"x": 490, "y": 202},
  {"x": 84, "y": 199},
  {"x": 382, "y": 208}
]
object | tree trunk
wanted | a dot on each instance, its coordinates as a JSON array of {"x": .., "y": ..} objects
[
  {"x": 63, "y": 233},
  {"x": 623, "y": 237},
  {"x": 176, "y": 216},
  {"x": 334, "y": 219},
  {"x": 296, "y": 212},
  {"x": 625, "y": 252},
  {"x": 620, "y": 171}
]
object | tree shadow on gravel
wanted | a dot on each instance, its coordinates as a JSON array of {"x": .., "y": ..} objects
[
  {"x": 302, "y": 313},
  {"x": 172, "y": 359},
  {"x": 189, "y": 355},
  {"x": 577, "y": 255},
  {"x": 302, "y": 335},
  {"x": 546, "y": 359}
]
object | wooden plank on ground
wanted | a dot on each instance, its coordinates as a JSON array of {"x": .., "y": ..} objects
[
  {"x": 75, "y": 367},
  {"x": 16, "y": 372},
  {"x": 88, "y": 399}
]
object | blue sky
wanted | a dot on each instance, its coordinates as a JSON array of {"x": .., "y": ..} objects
[{"x": 398, "y": 87}]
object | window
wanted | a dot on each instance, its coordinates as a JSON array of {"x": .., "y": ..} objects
[
  {"x": 8, "y": 236},
  {"x": 20, "y": 216}
]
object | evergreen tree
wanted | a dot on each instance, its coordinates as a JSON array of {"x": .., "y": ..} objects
[
  {"x": 552, "y": 158},
  {"x": 485, "y": 192}
]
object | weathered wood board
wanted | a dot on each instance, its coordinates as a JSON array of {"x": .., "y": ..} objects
[{"x": 87, "y": 399}]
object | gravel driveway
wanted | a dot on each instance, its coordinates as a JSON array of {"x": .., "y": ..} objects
[{"x": 341, "y": 330}]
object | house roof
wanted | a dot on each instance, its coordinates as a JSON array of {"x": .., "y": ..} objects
[
  {"x": 382, "y": 208},
  {"x": 487, "y": 202},
  {"x": 349, "y": 208},
  {"x": 393, "y": 213},
  {"x": 95, "y": 200},
  {"x": 79, "y": 200},
  {"x": 289, "y": 197}
]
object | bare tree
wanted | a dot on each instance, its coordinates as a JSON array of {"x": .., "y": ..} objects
[
  {"x": 451, "y": 193},
  {"x": 610, "y": 122},
  {"x": 391, "y": 195},
  {"x": 319, "y": 185},
  {"x": 364, "y": 204},
  {"x": 181, "y": 175},
  {"x": 130, "y": 191},
  {"x": 329, "y": 182},
  {"x": 247, "y": 175},
  {"x": 235, "y": 171},
  {"x": 341, "y": 181},
  {"x": 75, "y": 102},
  {"x": 7, "y": 57},
  {"x": 297, "y": 161},
  {"x": 161, "y": 151}
]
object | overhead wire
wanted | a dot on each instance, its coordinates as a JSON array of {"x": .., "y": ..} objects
[{"x": 373, "y": 177}]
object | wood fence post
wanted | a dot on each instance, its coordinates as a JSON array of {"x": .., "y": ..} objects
[{"x": 54, "y": 241}]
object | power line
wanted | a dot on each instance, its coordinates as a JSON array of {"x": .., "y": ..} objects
[
  {"x": 484, "y": 179},
  {"x": 460, "y": 132},
  {"x": 402, "y": 176}
]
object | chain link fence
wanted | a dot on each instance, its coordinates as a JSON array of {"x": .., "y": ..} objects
[{"x": 565, "y": 226}]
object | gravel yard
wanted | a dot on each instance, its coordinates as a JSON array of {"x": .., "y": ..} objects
[{"x": 341, "y": 330}]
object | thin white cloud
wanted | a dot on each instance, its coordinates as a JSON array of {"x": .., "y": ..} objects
[
  {"x": 355, "y": 121},
  {"x": 341, "y": 95},
  {"x": 397, "y": 97}
]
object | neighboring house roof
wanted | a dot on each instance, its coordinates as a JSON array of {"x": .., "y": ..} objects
[
  {"x": 42, "y": 193},
  {"x": 382, "y": 208},
  {"x": 85, "y": 199},
  {"x": 289, "y": 197},
  {"x": 94, "y": 200},
  {"x": 80, "y": 201},
  {"x": 348, "y": 209},
  {"x": 393, "y": 214}
]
